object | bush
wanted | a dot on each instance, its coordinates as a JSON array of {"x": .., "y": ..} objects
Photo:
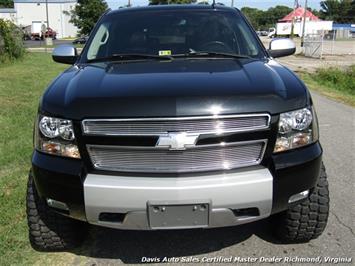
[
  {"x": 11, "y": 41},
  {"x": 338, "y": 79}
]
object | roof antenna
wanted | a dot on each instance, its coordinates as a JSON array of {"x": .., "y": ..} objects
[{"x": 213, "y": 3}]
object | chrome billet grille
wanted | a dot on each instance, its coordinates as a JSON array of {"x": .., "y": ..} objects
[
  {"x": 158, "y": 126},
  {"x": 158, "y": 160}
]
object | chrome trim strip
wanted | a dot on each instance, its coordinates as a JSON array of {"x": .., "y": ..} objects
[
  {"x": 225, "y": 144},
  {"x": 213, "y": 117}
]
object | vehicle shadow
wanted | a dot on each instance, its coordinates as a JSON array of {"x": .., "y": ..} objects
[{"x": 131, "y": 246}]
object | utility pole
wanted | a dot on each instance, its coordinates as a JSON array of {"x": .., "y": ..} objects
[
  {"x": 304, "y": 21},
  {"x": 48, "y": 40},
  {"x": 295, "y": 6},
  {"x": 232, "y": 4},
  {"x": 293, "y": 20},
  {"x": 47, "y": 14},
  {"x": 129, "y": 3}
]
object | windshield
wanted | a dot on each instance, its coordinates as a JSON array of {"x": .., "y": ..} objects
[{"x": 172, "y": 32}]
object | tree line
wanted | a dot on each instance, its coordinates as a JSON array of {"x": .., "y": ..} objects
[
  {"x": 87, "y": 12},
  {"x": 342, "y": 11},
  {"x": 262, "y": 20},
  {"x": 339, "y": 11}
]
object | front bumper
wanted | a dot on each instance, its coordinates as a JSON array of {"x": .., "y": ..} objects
[
  {"x": 267, "y": 188},
  {"x": 226, "y": 192}
]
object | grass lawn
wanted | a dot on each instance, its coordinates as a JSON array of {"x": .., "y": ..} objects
[
  {"x": 21, "y": 85},
  {"x": 334, "y": 83}
]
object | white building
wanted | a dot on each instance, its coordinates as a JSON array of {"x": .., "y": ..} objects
[
  {"x": 8, "y": 14},
  {"x": 33, "y": 12}
]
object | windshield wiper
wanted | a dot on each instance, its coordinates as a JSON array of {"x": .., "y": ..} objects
[
  {"x": 123, "y": 57},
  {"x": 194, "y": 53}
]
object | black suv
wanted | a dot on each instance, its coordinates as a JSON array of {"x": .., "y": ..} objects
[{"x": 175, "y": 117}]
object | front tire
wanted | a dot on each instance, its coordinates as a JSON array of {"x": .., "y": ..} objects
[
  {"x": 48, "y": 230},
  {"x": 308, "y": 219}
]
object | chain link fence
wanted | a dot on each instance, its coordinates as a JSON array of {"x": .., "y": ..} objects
[
  {"x": 313, "y": 45},
  {"x": 336, "y": 42}
]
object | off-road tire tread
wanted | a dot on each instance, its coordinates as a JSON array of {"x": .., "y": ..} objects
[
  {"x": 308, "y": 219},
  {"x": 48, "y": 230}
]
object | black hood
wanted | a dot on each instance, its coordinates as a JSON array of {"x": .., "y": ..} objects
[{"x": 182, "y": 87}]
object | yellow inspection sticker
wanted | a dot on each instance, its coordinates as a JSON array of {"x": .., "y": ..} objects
[{"x": 165, "y": 52}]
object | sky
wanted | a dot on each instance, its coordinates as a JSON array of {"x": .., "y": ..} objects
[{"x": 261, "y": 4}]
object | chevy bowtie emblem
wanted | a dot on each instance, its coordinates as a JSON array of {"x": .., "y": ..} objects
[{"x": 177, "y": 140}]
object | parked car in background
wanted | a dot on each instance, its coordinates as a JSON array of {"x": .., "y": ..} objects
[
  {"x": 50, "y": 34},
  {"x": 262, "y": 33},
  {"x": 81, "y": 40}
]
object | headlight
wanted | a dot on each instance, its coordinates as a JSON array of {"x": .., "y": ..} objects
[
  {"x": 56, "y": 136},
  {"x": 296, "y": 129},
  {"x": 54, "y": 127}
]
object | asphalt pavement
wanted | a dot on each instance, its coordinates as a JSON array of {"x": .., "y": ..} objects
[
  {"x": 251, "y": 241},
  {"x": 38, "y": 44}
]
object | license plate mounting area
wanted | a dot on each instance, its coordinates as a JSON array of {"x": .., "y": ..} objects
[{"x": 172, "y": 215}]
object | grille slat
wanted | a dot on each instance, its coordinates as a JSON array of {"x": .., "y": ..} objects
[
  {"x": 148, "y": 159},
  {"x": 200, "y": 158},
  {"x": 157, "y": 126}
]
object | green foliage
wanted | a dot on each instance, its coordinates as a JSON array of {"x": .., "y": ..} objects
[
  {"x": 314, "y": 11},
  {"x": 341, "y": 80},
  {"x": 277, "y": 12},
  {"x": 166, "y": 2},
  {"x": 254, "y": 16},
  {"x": 340, "y": 11},
  {"x": 11, "y": 44},
  {"x": 6, "y": 3},
  {"x": 21, "y": 85},
  {"x": 86, "y": 13},
  {"x": 351, "y": 12},
  {"x": 262, "y": 20}
]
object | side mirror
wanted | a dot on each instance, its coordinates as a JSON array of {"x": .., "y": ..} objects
[
  {"x": 65, "y": 54},
  {"x": 281, "y": 47}
]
